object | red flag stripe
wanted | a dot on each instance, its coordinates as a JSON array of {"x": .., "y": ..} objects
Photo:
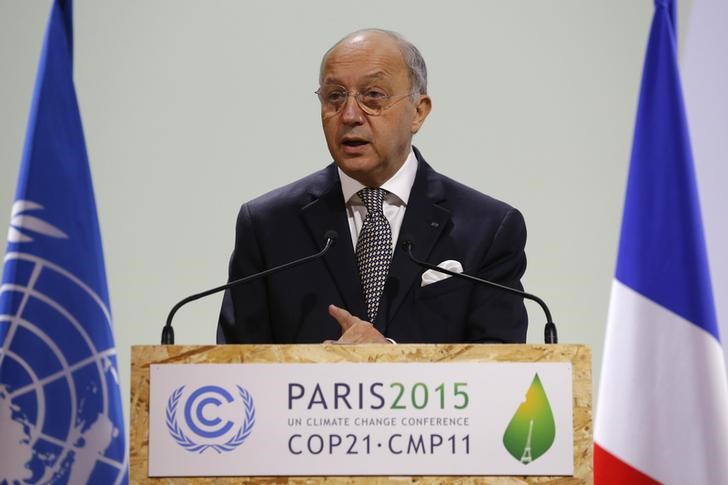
[{"x": 610, "y": 470}]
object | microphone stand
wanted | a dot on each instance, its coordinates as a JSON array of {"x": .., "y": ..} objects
[
  {"x": 168, "y": 331},
  {"x": 550, "y": 335}
]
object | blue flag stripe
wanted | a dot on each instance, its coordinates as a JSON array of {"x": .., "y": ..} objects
[{"x": 662, "y": 250}]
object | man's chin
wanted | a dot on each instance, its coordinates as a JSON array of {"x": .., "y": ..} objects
[
  {"x": 355, "y": 163},
  {"x": 358, "y": 168}
]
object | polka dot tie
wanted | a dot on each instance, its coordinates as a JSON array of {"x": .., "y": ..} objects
[{"x": 373, "y": 249}]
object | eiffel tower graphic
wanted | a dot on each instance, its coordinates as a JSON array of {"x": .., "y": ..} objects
[{"x": 526, "y": 457}]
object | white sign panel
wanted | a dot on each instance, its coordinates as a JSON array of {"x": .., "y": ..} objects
[{"x": 361, "y": 419}]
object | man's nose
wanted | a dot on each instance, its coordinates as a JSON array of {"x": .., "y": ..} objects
[{"x": 351, "y": 112}]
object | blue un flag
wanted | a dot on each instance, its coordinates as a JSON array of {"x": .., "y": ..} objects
[{"x": 61, "y": 419}]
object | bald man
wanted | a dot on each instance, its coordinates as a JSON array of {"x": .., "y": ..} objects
[{"x": 373, "y": 93}]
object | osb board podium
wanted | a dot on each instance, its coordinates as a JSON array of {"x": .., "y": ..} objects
[{"x": 578, "y": 355}]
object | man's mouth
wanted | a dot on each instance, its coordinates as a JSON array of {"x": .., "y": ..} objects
[{"x": 354, "y": 142}]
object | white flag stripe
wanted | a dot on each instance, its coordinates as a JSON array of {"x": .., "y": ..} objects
[{"x": 652, "y": 411}]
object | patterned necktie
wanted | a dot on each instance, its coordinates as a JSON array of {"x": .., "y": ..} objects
[{"x": 373, "y": 249}]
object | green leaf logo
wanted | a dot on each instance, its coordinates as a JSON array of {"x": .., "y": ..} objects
[{"x": 532, "y": 429}]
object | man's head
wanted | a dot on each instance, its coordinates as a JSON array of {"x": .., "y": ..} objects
[{"x": 370, "y": 137}]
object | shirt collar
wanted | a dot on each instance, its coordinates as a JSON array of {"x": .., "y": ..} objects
[{"x": 400, "y": 184}]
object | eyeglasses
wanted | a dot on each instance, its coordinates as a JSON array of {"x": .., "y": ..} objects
[{"x": 372, "y": 101}]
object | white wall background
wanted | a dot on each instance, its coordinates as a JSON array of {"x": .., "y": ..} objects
[{"x": 191, "y": 108}]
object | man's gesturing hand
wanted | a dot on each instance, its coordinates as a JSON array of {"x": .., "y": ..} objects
[{"x": 354, "y": 330}]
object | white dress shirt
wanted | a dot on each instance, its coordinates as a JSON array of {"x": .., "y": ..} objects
[{"x": 395, "y": 203}]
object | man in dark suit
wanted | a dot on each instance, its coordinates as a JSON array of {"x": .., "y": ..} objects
[{"x": 378, "y": 192}]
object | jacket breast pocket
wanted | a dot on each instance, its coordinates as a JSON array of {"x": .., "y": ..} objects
[{"x": 443, "y": 287}]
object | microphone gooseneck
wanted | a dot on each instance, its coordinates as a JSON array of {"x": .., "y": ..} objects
[
  {"x": 550, "y": 334},
  {"x": 168, "y": 332}
]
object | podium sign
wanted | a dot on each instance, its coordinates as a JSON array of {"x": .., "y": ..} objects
[
  {"x": 315, "y": 419},
  {"x": 260, "y": 419}
]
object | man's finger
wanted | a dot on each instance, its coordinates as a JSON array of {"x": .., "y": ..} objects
[
  {"x": 362, "y": 333},
  {"x": 345, "y": 319}
]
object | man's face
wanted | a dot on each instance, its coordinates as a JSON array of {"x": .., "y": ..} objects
[{"x": 366, "y": 147}]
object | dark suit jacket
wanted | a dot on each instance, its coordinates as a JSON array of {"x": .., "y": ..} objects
[{"x": 444, "y": 219}]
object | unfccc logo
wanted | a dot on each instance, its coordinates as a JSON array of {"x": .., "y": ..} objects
[{"x": 213, "y": 418}]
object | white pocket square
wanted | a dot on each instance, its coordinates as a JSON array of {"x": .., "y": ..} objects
[{"x": 431, "y": 276}]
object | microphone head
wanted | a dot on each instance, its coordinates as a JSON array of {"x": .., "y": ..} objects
[{"x": 331, "y": 235}]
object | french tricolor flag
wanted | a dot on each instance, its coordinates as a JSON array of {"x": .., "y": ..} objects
[{"x": 662, "y": 414}]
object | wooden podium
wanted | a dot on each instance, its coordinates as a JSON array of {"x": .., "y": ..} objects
[{"x": 578, "y": 355}]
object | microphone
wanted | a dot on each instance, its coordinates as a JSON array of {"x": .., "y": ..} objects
[
  {"x": 550, "y": 336},
  {"x": 168, "y": 332}
]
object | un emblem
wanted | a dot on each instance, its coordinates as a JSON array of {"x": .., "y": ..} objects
[
  {"x": 60, "y": 416},
  {"x": 212, "y": 417}
]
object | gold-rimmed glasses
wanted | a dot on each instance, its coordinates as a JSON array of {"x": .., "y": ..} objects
[{"x": 372, "y": 101}]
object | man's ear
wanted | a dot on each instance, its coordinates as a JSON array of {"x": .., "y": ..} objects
[{"x": 422, "y": 109}]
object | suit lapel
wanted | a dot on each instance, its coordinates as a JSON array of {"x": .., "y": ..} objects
[
  {"x": 424, "y": 221},
  {"x": 326, "y": 212}
]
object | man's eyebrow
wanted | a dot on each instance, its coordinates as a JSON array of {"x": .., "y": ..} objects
[{"x": 368, "y": 77}]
